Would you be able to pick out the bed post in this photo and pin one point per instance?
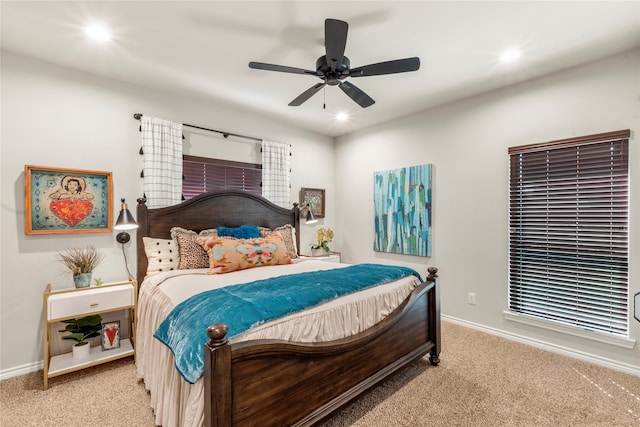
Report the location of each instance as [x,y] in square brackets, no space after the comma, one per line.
[143,230]
[296,223]
[434,321]
[217,377]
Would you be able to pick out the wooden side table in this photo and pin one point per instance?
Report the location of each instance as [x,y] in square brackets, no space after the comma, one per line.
[75,303]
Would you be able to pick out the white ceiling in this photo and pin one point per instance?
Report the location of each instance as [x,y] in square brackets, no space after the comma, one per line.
[203,48]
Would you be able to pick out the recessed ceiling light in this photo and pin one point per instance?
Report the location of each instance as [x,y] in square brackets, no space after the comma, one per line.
[510,55]
[342,117]
[98,32]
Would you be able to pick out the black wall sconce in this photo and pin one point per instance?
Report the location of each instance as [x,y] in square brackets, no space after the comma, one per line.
[309,218]
[125,222]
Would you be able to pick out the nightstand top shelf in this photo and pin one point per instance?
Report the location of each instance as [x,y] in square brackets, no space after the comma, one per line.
[330,257]
[49,291]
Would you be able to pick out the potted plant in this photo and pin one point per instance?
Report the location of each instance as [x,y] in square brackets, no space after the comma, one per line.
[80,330]
[323,237]
[81,263]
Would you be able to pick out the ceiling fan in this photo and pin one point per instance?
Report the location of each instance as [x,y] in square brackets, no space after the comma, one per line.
[334,67]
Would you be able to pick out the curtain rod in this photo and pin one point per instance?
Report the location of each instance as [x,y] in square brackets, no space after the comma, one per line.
[137,116]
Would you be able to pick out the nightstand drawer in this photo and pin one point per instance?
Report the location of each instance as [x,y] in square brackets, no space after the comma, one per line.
[78,304]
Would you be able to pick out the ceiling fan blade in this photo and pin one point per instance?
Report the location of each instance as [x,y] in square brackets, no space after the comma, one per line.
[335,40]
[280,68]
[387,67]
[307,94]
[353,92]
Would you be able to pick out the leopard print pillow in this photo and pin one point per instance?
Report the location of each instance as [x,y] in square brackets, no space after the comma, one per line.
[190,253]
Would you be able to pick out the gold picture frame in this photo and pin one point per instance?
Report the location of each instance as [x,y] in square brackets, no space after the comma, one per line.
[314,197]
[61,200]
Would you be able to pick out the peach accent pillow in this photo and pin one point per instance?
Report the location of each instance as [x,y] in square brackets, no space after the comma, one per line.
[227,254]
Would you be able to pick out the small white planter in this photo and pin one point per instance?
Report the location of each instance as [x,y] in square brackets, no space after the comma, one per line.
[81,351]
[319,252]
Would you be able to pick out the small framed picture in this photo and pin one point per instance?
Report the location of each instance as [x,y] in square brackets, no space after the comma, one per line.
[111,335]
[314,197]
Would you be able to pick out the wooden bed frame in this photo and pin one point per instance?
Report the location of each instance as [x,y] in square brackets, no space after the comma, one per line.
[279,383]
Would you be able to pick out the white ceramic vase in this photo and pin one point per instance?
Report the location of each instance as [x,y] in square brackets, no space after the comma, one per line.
[81,351]
[319,252]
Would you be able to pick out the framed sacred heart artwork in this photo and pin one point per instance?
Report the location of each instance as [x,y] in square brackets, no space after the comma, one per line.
[67,200]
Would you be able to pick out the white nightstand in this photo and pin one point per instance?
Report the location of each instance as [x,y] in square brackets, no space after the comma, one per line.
[330,257]
[75,303]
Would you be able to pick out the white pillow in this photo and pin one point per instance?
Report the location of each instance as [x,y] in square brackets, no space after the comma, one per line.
[161,255]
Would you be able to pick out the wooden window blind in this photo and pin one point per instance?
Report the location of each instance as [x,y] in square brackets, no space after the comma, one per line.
[568,239]
[202,174]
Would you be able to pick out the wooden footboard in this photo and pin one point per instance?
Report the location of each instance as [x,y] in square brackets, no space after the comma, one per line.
[277,383]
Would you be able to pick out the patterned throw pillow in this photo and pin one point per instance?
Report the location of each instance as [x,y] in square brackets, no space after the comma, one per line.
[227,254]
[161,255]
[190,253]
[288,233]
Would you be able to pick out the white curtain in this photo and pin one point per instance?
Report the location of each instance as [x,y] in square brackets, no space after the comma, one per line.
[276,173]
[162,161]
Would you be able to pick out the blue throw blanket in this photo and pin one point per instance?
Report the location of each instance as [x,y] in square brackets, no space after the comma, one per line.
[243,306]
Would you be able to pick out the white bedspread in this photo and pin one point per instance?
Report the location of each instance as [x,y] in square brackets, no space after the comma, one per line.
[178,403]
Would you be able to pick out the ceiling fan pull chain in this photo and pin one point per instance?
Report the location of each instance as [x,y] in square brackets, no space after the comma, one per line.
[324,96]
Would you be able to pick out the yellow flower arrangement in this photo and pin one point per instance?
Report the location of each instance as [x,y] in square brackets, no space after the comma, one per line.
[323,237]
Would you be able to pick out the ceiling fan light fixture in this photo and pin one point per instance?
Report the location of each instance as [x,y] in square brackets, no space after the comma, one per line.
[342,116]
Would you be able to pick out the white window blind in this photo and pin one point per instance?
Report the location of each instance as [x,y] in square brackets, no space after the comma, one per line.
[568,242]
[202,174]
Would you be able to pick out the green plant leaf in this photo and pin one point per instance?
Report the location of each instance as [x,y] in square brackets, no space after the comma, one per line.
[83,328]
[92,320]
[76,337]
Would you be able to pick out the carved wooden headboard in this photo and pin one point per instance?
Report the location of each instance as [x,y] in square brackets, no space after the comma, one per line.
[225,208]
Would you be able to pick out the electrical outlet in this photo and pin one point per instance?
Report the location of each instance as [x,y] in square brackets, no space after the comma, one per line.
[471,298]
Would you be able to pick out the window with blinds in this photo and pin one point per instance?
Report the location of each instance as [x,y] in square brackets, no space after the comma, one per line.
[202,174]
[568,240]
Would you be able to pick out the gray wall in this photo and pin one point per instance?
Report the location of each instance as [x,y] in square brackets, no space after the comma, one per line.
[52,116]
[467,143]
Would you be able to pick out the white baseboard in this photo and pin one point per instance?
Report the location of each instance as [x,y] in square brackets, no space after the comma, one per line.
[21,370]
[585,357]
[596,360]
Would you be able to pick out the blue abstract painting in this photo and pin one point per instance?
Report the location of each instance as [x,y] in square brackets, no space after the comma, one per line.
[402,203]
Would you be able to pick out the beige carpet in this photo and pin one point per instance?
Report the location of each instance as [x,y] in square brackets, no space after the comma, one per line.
[482,380]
